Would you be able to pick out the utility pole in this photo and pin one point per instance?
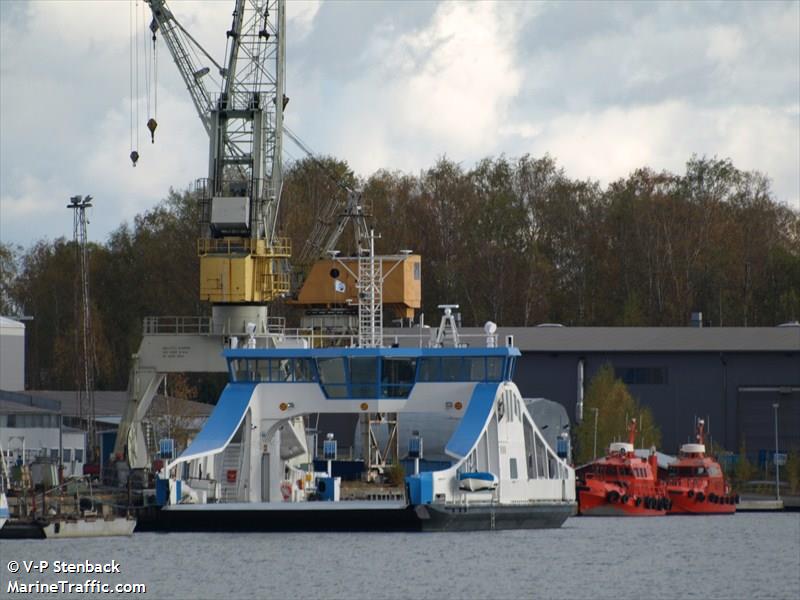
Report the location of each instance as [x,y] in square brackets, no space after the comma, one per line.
[594,452]
[775,460]
[85,351]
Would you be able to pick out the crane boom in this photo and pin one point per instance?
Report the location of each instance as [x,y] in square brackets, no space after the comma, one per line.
[175,37]
[244,122]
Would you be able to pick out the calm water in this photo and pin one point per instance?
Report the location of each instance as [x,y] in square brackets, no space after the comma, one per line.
[740,556]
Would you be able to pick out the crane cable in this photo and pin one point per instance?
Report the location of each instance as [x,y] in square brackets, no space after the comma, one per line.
[134,156]
[149,70]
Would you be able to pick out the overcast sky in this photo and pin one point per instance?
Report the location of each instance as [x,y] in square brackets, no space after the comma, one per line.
[603,88]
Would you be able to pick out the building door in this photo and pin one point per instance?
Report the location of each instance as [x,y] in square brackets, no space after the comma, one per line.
[756,419]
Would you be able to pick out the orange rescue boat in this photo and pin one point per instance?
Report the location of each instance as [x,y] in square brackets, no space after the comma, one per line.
[621,483]
[696,483]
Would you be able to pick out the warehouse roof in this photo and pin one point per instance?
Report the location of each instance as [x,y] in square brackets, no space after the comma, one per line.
[107,404]
[551,338]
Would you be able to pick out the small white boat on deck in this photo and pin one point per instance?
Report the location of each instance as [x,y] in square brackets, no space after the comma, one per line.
[475,482]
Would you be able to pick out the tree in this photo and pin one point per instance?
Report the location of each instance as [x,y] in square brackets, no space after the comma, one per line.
[8,273]
[615,407]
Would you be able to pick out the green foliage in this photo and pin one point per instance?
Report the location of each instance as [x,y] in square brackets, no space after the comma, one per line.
[614,406]
[745,470]
[8,272]
[792,470]
[514,241]
[396,474]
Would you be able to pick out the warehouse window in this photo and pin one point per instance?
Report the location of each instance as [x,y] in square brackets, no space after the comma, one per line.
[642,375]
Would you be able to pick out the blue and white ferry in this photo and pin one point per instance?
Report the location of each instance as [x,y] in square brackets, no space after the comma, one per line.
[251,467]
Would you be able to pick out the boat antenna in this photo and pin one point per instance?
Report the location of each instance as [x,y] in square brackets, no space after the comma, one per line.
[700,435]
[632,431]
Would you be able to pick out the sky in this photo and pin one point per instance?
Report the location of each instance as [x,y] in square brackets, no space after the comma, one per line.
[604,88]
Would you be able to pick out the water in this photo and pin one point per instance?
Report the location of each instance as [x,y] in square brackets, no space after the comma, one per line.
[740,556]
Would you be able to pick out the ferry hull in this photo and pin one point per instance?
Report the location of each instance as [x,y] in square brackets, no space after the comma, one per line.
[361,516]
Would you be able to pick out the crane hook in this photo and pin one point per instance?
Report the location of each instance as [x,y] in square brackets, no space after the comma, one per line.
[134,157]
[151,125]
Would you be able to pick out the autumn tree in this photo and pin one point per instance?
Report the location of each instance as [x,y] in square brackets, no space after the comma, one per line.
[609,402]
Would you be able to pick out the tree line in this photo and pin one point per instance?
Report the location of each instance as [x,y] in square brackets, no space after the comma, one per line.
[515,241]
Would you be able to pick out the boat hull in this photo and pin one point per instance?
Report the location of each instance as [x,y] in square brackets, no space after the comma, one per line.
[22,530]
[597,503]
[684,504]
[351,516]
[81,528]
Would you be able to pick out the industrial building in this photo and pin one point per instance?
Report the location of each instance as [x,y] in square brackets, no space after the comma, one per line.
[731,376]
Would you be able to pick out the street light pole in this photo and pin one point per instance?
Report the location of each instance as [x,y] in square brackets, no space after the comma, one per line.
[777,464]
[594,453]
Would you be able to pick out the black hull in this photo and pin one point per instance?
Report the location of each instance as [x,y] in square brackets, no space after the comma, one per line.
[22,530]
[390,519]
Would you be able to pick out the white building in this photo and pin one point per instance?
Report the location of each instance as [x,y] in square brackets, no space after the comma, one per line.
[12,355]
[28,431]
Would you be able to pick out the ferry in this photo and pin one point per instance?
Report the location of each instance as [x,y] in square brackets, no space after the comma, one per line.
[696,483]
[251,467]
[621,483]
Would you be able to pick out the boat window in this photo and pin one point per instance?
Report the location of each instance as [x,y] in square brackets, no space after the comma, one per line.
[512,365]
[429,368]
[452,369]
[79,455]
[363,376]
[241,370]
[397,376]
[494,368]
[331,370]
[67,455]
[302,370]
[332,377]
[262,370]
[512,463]
[476,368]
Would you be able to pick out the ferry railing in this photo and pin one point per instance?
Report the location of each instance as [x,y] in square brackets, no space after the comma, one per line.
[173,325]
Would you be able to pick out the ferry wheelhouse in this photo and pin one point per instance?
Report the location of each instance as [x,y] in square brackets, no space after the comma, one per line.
[251,467]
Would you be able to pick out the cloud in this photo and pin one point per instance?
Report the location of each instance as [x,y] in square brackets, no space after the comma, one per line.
[449,81]
[611,143]
[603,88]
[301,14]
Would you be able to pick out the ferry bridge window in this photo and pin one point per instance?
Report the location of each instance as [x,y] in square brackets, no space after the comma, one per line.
[476,368]
[452,368]
[363,376]
[241,370]
[512,463]
[429,368]
[397,376]
[302,370]
[494,368]
[262,370]
[332,376]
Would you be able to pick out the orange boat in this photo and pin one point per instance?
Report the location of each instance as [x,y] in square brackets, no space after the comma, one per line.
[696,483]
[621,483]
